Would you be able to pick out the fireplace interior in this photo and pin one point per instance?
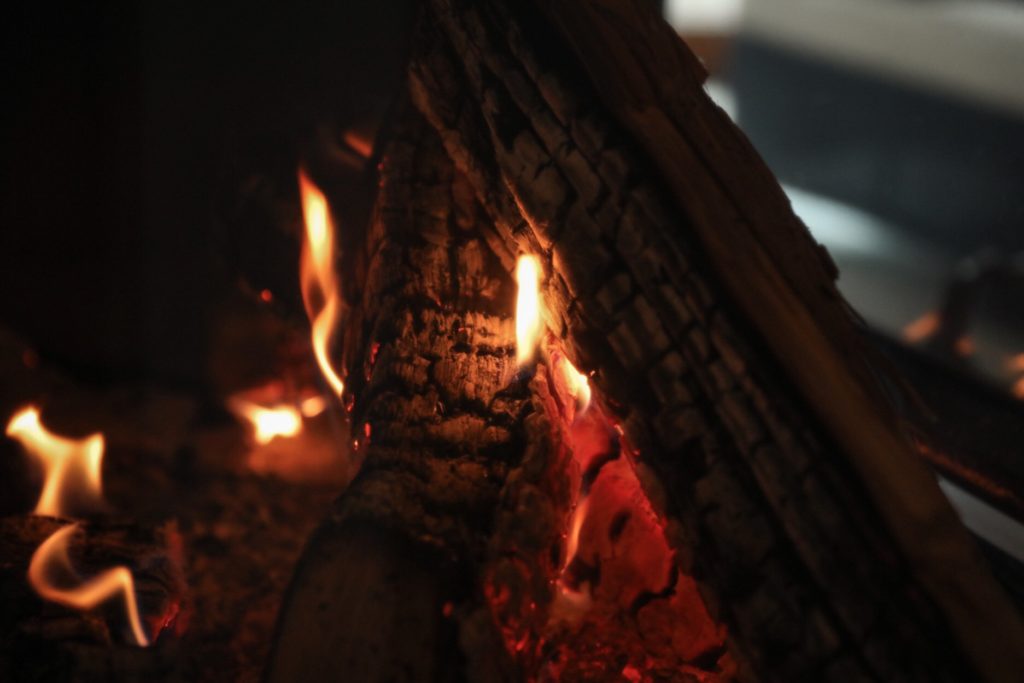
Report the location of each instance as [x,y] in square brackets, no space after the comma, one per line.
[471,340]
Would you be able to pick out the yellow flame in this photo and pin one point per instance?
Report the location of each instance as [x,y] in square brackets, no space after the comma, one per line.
[528,314]
[313,406]
[576,383]
[51,560]
[72,465]
[268,423]
[319,288]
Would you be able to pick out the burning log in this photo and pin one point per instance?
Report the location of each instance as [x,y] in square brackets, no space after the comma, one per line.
[783,528]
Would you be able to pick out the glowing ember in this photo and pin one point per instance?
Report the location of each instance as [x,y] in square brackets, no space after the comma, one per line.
[72,466]
[72,482]
[51,566]
[319,289]
[922,328]
[528,323]
[268,423]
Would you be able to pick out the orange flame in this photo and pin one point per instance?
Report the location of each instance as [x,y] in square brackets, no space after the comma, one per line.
[73,468]
[528,308]
[268,423]
[72,465]
[51,561]
[1018,389]
[319,288]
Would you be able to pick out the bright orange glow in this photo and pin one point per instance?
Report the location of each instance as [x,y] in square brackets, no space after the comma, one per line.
[73,480]
[50,566]
[313,406]
[319,288]
[1018,389]
[528,318]
[268,423]
[72,465]
[922,328]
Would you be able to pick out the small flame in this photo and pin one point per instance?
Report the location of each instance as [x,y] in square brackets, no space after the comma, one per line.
[528,322]
[576,383]
[319,288]
[572,540]
[922,328]
[72,465]
[268,423]
[73,468]
[51,561]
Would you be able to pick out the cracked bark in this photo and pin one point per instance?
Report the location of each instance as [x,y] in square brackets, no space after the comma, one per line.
[678,273]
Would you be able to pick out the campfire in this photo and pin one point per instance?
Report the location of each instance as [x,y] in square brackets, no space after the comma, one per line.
[554,387]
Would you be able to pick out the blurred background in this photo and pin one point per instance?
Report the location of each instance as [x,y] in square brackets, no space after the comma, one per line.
[897,127]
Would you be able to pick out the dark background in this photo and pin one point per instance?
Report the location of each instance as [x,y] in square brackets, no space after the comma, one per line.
[128,132]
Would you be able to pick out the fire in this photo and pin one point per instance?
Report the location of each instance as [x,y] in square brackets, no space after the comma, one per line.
[73,481]
[320,292]
[576,384]
[528,307]
[50,565]
[268,423]
[72,466]
[1018,389]
[572,539]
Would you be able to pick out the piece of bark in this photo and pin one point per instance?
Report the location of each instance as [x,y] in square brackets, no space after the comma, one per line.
[678,272]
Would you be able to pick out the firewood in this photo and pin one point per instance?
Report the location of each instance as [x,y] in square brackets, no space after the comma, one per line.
[676,273]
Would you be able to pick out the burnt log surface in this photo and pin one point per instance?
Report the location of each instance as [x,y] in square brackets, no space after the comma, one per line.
[677,272]
[680,275]
[438,413]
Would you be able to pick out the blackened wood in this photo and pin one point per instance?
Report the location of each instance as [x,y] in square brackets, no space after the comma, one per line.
[438,415]
[680,274]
